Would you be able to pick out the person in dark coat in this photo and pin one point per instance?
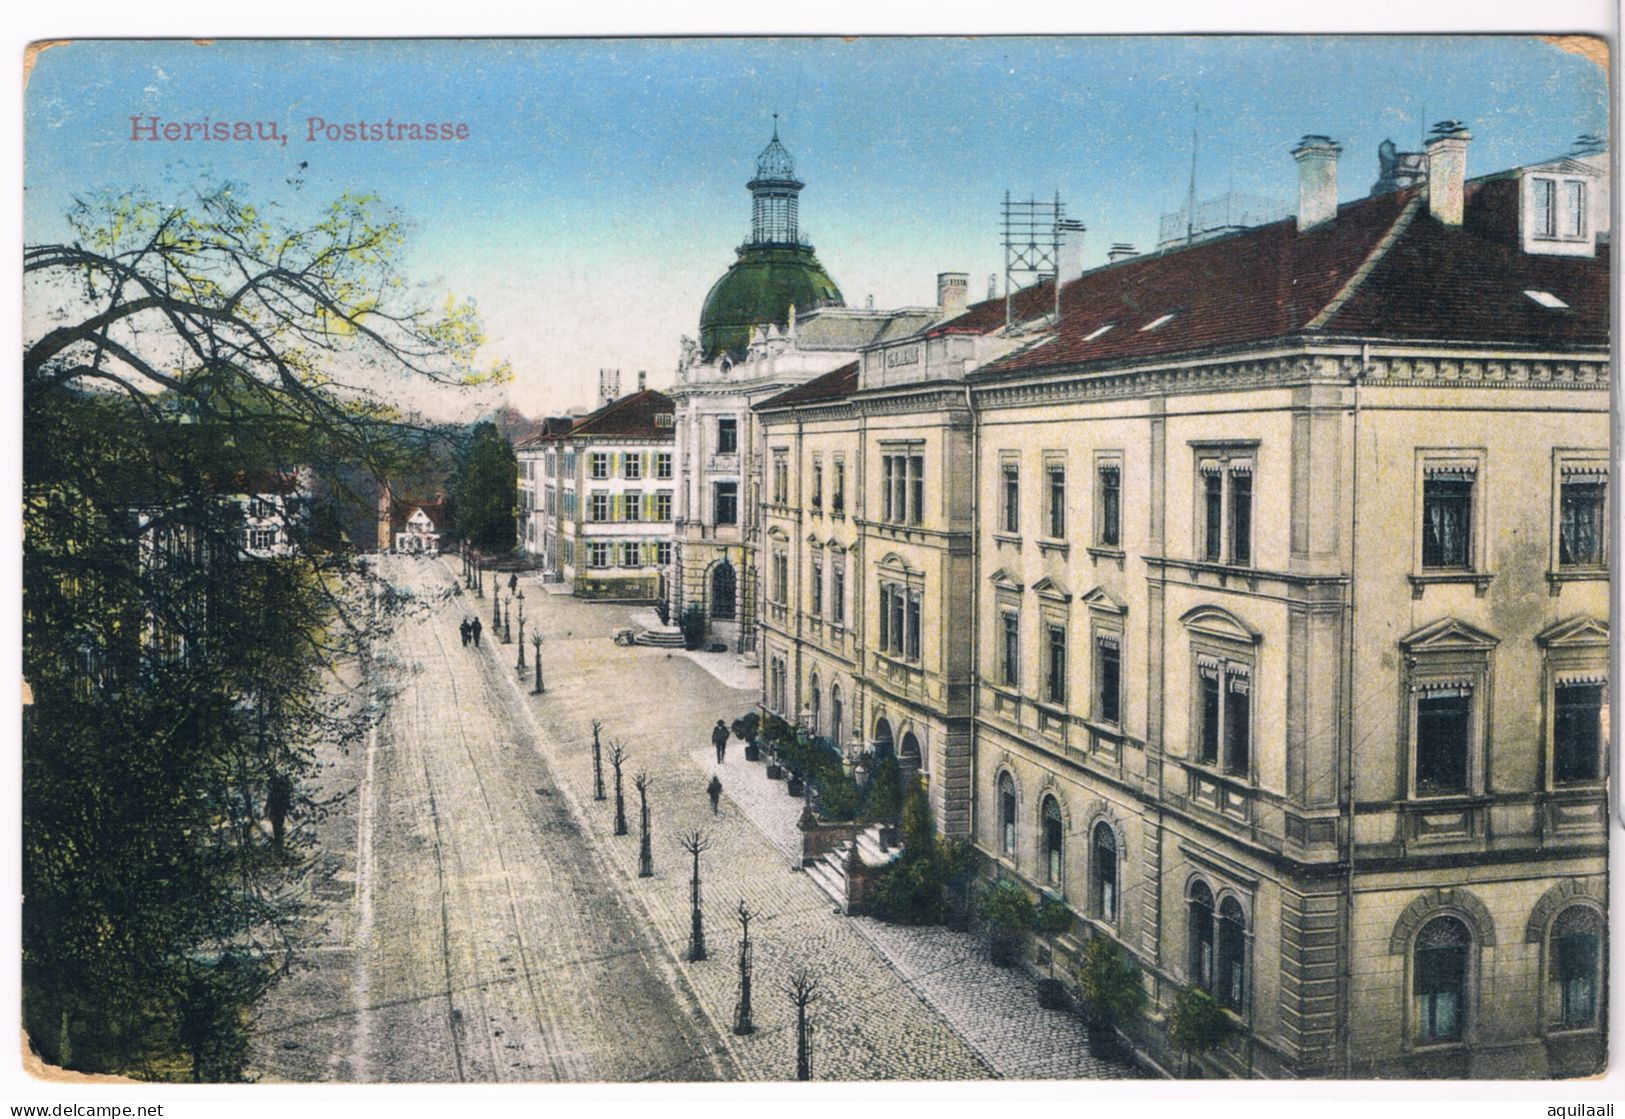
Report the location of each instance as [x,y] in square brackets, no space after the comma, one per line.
[464,630]
[714,791]
[719,739]
[475,630]
[513,582]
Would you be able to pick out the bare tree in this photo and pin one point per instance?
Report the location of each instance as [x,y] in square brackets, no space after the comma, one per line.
[694,842]
[802,991]
[617,755]
[742,1013]
[597,763]
[646,858]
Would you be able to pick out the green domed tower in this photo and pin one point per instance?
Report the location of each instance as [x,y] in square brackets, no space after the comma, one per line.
[776,267]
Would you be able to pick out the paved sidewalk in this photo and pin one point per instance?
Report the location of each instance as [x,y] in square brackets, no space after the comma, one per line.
[994,1009]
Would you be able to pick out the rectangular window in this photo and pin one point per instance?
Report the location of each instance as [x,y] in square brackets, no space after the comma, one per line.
[838,504]
[663,553]
[885,617]
[663,464]
[1055,679]
[1441,979]
[597,554]
[1012,650]
[1577,732]
[725,502]
[1443,718]
[631,554]
[899,624]
[837,590]
[1110,478]
[1208,732]
[817,484]
[632,506]
[598,464]
[663,506]
[1575,225]
[1545,207]
[598,509]
[1057,502]
[781,478]
[1237,721]
[1012,498]
[815,603]
[727,435]
[1108,679]
[632,466]
[1241,514]
[886,466]
[916,489]
[911,646]
[1212,513]
[1582,525]
[1447,519]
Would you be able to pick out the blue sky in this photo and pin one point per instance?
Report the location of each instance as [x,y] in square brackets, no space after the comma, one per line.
[601,191]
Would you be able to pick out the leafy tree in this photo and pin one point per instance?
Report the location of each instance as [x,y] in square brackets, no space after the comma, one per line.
[1110,981]
[1050,920]
[1196,1023]
[885,790]
[485,498]
[178,356]
[693,625]
[1008,912]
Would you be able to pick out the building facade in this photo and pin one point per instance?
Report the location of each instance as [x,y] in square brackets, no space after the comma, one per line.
[602,497]
[1278,580]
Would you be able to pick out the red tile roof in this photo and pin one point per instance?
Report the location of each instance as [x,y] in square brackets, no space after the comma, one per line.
[834,385]
[1383,268]
[630,416]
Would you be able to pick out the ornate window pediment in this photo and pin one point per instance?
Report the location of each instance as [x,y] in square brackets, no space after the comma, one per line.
[1448,635]
[777,533]
[1575,633]
[1103,600]
[1052,590]
[1215,621]
[891,561]
[1004,581]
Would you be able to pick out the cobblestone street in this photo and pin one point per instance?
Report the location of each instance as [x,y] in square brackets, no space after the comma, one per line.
[485,923]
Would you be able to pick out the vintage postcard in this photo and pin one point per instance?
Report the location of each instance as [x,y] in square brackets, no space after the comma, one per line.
[814,559]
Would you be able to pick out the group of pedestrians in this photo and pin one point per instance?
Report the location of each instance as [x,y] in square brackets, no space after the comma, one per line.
[470,629]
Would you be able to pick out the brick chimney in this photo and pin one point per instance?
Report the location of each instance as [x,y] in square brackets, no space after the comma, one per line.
[953,293]
[643,379]
[1121,250]
[1317,180]
[1071,257]
[1447,170]
[609,386]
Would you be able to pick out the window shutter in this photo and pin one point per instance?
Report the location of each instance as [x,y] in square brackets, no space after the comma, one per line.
[615,507]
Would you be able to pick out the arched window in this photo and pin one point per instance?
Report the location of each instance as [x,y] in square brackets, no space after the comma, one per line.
[835,714]
[1575,969]
[1232,937]
[1201,935]
[815,704]
[1053,840]
[1007,814]
[1440,980]
[1104,878]
[723,587]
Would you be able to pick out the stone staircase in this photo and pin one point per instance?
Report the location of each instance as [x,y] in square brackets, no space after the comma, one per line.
[830,871]
[662,637]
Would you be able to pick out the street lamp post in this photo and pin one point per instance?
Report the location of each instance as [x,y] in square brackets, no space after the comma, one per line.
[519,666]
[496,608]
[507,620]
[536,643]
[804,740]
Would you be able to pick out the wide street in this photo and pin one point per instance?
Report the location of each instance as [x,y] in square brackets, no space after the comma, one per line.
[480,921]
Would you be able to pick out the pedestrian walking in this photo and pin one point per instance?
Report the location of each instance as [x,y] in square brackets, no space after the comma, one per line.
[474,628]
[513,582]
[463,629]
[719,739]
[714,791]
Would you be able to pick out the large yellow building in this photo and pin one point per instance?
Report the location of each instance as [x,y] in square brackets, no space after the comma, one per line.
[1257,607]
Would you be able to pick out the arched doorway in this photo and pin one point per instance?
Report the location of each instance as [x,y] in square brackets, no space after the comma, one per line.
[724,587]
[883,742]
[908,757]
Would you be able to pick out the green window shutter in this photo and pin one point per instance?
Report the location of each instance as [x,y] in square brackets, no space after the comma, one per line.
[649,507]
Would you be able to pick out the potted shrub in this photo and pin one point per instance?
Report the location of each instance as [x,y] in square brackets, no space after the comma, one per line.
[746,728]
[1196,1024]
[1113,992]
[1050,920]
[1008,912]
[693,626]
[774,734]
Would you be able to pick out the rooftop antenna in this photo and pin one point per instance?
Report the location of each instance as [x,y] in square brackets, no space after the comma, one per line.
[1032,244]
[1190,196]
